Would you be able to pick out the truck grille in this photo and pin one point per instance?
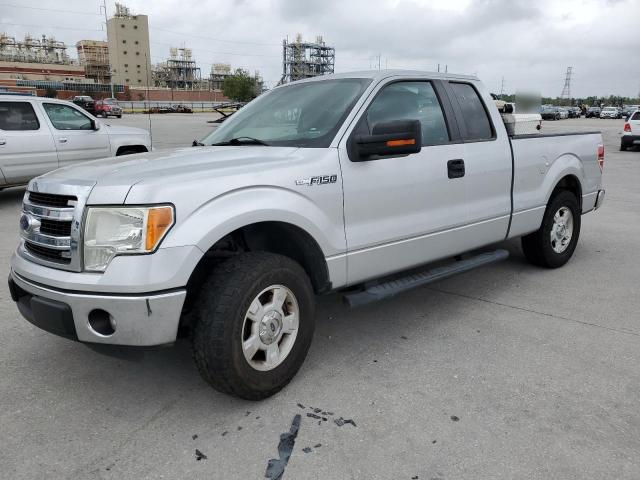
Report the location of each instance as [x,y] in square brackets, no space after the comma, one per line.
[49,200]
[51,223]
[47,253]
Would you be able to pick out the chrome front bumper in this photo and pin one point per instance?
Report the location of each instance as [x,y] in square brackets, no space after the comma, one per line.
[136,319]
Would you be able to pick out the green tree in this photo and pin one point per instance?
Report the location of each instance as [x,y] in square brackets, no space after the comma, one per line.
[50,92]
[240,86]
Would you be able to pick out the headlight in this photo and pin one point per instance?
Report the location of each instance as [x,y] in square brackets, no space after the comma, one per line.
[111,231]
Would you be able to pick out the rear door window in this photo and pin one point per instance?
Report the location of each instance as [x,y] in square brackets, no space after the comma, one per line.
[474,114]
[18,116]
[635,116]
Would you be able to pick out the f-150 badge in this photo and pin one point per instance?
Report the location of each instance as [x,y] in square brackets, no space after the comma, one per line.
[321,180]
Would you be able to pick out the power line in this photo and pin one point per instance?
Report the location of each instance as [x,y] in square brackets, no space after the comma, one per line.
[11,5]
[50,27]
[214,39]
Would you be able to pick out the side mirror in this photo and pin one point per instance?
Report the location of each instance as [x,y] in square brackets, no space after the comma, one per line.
[400,137]
[95,125]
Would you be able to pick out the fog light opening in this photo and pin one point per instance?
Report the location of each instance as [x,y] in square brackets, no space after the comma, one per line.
[102,323]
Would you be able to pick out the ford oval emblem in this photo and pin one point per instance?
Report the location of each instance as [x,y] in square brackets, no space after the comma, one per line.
[24,223]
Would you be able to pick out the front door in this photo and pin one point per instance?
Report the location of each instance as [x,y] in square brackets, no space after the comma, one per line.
[404,211]
[74,135]
[26,143]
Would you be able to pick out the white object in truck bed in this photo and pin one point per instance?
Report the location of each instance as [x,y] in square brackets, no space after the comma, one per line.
[522,123]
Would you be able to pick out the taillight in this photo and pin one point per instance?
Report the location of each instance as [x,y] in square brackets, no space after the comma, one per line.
[601,156]
[627,127]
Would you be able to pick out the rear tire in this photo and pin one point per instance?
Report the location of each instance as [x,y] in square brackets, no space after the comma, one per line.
[623,148]
[237,309]
[552,245]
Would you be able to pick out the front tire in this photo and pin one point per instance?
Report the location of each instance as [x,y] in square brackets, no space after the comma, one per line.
[253,324]
[553,244]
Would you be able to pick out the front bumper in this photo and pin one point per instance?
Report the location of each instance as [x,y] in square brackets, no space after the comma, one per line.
[630,140]
[136,319]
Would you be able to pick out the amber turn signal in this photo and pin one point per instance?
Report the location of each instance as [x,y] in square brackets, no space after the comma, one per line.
[398,143]
[159,222]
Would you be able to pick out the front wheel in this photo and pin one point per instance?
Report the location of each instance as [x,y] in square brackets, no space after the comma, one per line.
[553,244]
[253,324]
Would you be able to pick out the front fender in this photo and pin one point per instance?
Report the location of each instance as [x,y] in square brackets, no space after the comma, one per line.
[123,140]
[245,206]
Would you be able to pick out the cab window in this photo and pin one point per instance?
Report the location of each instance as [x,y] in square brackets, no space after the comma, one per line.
[64,117]
[474,115]
[18,116]
[410,100]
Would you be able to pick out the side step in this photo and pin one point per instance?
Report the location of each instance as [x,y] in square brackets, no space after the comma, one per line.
[390,288]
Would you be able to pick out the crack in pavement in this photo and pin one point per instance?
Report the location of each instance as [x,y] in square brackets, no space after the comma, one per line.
[515,307]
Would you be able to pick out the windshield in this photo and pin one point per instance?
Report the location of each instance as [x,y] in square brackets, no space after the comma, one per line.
[306,114]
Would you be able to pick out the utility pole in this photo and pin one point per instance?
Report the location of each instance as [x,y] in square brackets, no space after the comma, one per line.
[103,7]
[438,68]
[566,90]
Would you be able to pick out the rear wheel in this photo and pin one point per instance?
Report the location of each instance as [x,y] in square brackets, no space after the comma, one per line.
[553,244]
[253,324]
[623,147]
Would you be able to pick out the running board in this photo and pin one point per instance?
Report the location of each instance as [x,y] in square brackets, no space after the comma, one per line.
[390,288]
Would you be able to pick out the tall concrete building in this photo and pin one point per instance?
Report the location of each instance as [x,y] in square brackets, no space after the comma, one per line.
[129,52]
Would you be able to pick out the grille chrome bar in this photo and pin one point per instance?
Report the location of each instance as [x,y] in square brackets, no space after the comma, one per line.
[50,241]
[63,214]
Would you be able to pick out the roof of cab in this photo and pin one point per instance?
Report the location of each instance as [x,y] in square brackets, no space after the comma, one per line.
[383,74]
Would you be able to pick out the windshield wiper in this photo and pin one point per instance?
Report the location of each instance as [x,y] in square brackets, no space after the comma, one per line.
[242,141]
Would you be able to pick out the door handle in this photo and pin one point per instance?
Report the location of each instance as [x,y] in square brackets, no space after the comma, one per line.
[62,140]
[2,141]
[455,168]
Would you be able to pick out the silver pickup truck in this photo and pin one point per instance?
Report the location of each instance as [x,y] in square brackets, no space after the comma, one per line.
[347,180]
[39,134]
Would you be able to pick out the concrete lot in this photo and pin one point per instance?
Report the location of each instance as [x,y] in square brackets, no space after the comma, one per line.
[539,367]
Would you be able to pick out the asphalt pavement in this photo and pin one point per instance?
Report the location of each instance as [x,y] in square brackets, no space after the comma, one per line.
[507,372]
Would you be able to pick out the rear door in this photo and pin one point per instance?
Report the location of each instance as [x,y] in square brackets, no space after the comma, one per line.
[487,160]
[403,211]
[26,143]
[74,136]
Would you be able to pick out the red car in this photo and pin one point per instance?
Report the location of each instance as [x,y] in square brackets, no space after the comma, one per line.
[108,107]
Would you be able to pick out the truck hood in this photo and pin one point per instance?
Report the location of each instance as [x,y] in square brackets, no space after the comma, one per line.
[114,177]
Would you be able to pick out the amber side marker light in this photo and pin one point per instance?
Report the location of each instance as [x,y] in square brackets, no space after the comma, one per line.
[159,222]
[399,143]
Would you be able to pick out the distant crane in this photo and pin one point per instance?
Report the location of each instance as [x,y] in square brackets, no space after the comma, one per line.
[566,91]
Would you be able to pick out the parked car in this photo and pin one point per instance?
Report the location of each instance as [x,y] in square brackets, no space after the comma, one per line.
[550,112]
[574,112]
[86,103]
[627,110]
[564,113]
[40,134]
[610,112]
[108,107]
[631,132]
[316,186]
[593,112]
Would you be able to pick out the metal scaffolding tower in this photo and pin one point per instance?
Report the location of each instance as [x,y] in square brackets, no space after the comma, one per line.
[306,59]
[566,91]
[179,71]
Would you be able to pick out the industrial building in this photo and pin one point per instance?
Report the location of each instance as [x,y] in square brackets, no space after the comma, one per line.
[34,58]
[179,71]
[129,51]
[302,59]
[93,56]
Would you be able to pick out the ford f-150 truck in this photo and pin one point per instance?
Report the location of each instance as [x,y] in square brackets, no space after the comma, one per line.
[341,182]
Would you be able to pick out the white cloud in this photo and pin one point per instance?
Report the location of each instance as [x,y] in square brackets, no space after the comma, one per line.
[530,43]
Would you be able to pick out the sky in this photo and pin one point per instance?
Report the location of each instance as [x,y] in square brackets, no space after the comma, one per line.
[528,43]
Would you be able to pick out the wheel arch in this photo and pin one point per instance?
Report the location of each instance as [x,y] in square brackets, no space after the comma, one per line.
[131,148]
[278,237]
